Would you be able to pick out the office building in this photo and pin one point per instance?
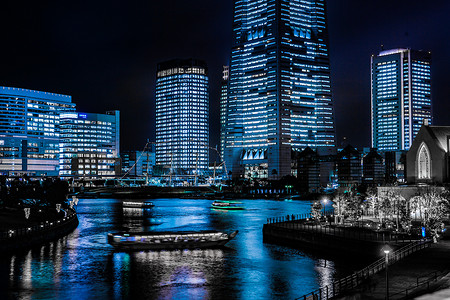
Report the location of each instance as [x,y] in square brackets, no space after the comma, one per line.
[223,108]
[138,163]
[182,117]
[29,131]
[401,97]
[90,145]
[279,95]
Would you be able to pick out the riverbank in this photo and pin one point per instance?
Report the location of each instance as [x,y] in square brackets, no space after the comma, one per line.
[200,192]
[18,233]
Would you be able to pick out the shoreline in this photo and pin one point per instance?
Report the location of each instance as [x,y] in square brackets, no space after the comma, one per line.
[23,238]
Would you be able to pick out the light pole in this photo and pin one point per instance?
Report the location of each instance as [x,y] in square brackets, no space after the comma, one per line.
[324,204]
[386,249]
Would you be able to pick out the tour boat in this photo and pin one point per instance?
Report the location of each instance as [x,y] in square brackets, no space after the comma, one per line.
[228,205]
[132,204]
[169,240]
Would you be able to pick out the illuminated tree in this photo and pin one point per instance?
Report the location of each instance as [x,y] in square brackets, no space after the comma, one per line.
[431,207]
[316,208]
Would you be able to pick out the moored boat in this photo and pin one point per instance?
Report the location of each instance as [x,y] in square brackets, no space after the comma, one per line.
[133,204]
[169,240]
[228,205]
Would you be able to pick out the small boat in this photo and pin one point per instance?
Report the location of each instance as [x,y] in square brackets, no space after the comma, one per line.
[169,240]
[228,205]
[132,204]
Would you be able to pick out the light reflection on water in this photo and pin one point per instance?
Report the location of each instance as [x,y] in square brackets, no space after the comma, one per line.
[83,265]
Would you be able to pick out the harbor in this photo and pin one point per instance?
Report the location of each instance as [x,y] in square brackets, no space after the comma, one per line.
[83,262]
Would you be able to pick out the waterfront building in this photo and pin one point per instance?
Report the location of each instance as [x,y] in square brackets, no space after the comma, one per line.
[223,108]
[279,91]
[29,131]
[394,162]
[316,170]
[428,159]
[90,145]
[138,163]
[349,166]
[373,168]
[182,117]
[401,97]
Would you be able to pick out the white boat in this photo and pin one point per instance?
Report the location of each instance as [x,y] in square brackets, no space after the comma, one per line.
[169,240]
[134,204]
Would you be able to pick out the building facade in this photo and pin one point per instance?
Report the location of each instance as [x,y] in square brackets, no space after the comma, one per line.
[401,97]
[182,117]
[90,145]
[30,131]
[373,169]
[428,159]
[279,95]
[138,163]
[223,108]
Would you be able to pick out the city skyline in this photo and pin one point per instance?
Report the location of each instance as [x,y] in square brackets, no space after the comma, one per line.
[105,56]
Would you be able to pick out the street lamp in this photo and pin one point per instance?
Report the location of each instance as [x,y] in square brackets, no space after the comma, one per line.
[386,249]
[325,200]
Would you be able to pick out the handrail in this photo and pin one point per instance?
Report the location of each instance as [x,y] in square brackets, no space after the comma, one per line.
[69,215]
[404,293]
[353,280]
[305,222]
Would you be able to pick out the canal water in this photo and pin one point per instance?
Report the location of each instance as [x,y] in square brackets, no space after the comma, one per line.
[83,266]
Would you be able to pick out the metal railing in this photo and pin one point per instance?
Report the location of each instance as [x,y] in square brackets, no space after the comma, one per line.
[355,279]
[358,232]
[69,216]
[420,283]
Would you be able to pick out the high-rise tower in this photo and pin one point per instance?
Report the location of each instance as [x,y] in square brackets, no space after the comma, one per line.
[401,97]
[223,107]
[182,116]
[279,96]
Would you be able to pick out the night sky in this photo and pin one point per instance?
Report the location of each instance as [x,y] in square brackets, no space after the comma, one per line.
[104,53]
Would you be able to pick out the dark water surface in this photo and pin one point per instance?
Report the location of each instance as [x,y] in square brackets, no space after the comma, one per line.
[83,266]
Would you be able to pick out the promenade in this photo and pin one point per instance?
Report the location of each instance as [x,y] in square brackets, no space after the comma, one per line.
[425,273]
[16,233]
[414,270]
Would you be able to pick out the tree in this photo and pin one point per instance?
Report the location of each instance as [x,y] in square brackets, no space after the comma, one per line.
[316,208]
[431,206]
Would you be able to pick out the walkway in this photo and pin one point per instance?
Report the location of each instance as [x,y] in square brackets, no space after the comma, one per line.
[404,275]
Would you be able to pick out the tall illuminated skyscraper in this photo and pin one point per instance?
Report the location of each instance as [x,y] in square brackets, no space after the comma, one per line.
[223,107]
[401,97]
[279,96]
[182,113]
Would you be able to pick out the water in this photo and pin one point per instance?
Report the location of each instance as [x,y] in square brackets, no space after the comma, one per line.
[83,266]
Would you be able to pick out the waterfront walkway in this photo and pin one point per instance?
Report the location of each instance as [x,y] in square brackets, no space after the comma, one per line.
[429,267]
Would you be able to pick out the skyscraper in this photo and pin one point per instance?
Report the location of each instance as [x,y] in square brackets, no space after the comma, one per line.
[30,131]
[279,96]
[401,97]
[182,116]
[223,107]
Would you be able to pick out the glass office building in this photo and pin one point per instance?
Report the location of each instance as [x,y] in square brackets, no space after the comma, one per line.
[279,95]
[30,132]
[223,108]
[182,112]
[90,145]
[401,97]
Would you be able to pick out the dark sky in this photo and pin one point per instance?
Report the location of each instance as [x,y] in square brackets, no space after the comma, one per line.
[104,53]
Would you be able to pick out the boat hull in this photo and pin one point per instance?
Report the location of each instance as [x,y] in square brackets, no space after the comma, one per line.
[180,244]
[227,207]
